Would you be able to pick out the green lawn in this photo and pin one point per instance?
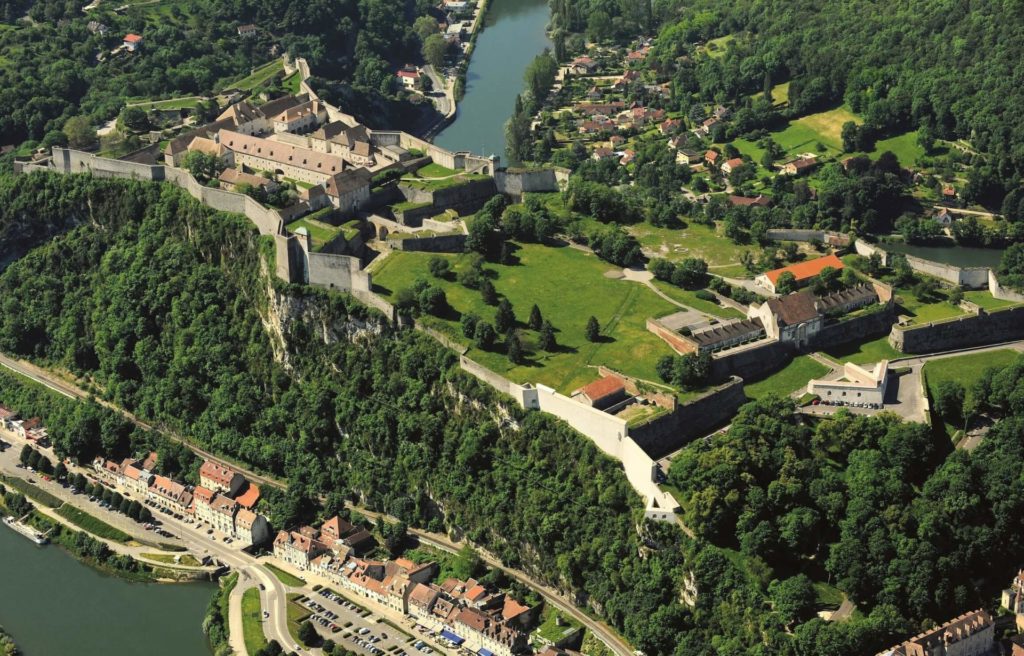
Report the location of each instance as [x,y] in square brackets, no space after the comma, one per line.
[549,627]
[443,183]
[258,77]
[792,377]
[803,134]
[904,146]
[252,621]
[296,615]
[170,103]
[827,597]
[285,577]
[687,297]
[320,232]
[716,48]
[568,286]
[31,491]
[965,369]
[291,83]
[93,525]
[935,308]
[864,352]
[434,170]
[987,301]
[696,240]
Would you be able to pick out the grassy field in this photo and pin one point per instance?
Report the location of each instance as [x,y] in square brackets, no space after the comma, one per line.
[568,286]
[185,560]
[170,103]
[296,615]
[258,77]
[792,377]
[987,301]
[965,369]
[252,621]
[904,146]
[696,240]
[93,525]
[864,352]
[434,170]
[291,83]
[550,629]
[320,232]
[920,311]
[716,48]
[285,577]
[827,597]
[687,297]
[805,133]
[31,491]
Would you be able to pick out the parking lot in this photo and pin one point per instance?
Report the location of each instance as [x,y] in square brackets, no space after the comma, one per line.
[358,629]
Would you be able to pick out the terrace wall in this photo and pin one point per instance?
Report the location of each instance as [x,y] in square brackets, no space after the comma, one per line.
[515,183]
[875,324]
[690,420]
[984,328]
[750,362]
[678,343]
[453,243]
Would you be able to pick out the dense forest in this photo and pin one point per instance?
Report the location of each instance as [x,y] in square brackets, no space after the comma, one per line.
[946,68]
[50,71]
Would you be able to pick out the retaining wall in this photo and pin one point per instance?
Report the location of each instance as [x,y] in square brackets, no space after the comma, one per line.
[973,277]
[857,329]
[752,361]
[998,291]
[453,243]
[670,337]
[690,420]
[984,328]
[516,183]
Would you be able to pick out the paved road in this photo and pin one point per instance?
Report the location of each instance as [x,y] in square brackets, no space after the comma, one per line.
[445,105]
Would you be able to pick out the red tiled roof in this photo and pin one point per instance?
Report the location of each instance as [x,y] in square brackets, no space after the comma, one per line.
[804,270]
[744,201]
[249,498]
[603,388]
[217,473]
[202,495]
[132,38]
[735,163]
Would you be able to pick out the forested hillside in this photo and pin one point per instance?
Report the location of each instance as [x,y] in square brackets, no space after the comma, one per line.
[50,68]
[946,66]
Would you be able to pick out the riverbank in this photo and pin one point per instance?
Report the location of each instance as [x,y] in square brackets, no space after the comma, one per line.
[7,645]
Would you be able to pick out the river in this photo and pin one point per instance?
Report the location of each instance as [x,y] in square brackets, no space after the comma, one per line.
[52,604]
[961,256]
[514,33]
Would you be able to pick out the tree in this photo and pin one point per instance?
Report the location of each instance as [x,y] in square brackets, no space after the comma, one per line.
[25,456]
[308,635]
[203,166]
[435,49]
[505,318]
[424,27]
[949,401]
[547,337]
[540,76]
[484,335]
[60,472]
[468,324]
[786,283]
[792,598]
[593,330]
[535,318]
[395,536]
[513,347]
[691,273]
[487,292]
[850,135]
[80,132]
[133,118]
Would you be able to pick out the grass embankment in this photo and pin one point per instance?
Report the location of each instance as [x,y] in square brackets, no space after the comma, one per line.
[926,310]
[965,370]
[297,614]
[789,379]
[555,626]
[258,77]
[568,286]
[803,135]
[320,233]
[285,577]
[185,560]
[93,525]
[31,491]
[252,621]
[689,298]
[695,240]
[864,352]
[987,301]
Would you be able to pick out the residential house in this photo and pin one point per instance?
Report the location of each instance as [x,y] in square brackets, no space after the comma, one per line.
[638,55]
[800,165]
[602,393]
[7,417]
[248,31]
[803,272]
[297,549]
[409,76]
[601,153]
[721,112]
[169,494]
[711,158]
[134,478]
[949,194]
[670,126]
[336,532]
[349,190]
[970,634]
[731,165]
[594,93]
[250,527]
[616,140]
[249,496]
[132,42]
[944,217]
[583,65]
[706,128]
[220,478]
[107,471]
[628,78]
[97,27]
[300,118]
[628,156]
[482,632]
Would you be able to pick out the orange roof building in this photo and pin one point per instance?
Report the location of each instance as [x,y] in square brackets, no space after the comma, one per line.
[603,392]
[803,272]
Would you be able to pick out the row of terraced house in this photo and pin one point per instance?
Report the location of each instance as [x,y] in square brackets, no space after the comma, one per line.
[224,498]
[464,613]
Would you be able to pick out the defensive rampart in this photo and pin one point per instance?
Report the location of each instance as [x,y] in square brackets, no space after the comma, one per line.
[976,330]
[690,420]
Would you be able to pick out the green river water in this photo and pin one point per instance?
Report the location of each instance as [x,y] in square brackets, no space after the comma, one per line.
[53,605]
[514,33]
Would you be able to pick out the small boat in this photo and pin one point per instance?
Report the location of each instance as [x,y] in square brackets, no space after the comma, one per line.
[26,530]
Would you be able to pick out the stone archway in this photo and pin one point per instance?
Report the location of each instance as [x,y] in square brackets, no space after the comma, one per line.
[382,233]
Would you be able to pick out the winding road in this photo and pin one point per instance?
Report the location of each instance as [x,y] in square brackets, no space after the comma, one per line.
[275,595]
